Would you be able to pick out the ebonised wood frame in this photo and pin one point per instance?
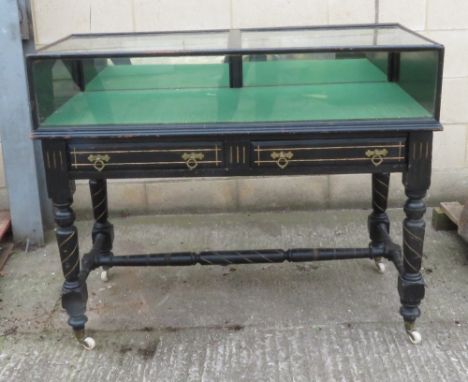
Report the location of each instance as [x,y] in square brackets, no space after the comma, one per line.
[376,147]
[376,153]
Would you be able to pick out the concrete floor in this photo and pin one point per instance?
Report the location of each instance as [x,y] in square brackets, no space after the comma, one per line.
[328,321]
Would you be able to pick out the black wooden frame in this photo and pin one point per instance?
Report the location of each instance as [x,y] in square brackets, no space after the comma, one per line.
[377,147]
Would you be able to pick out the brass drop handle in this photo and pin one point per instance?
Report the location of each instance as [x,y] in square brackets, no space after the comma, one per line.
[377,156]
[99,161]
[191,159]
[282,158]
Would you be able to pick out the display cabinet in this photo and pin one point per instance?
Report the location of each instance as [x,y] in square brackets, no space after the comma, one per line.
[249,102]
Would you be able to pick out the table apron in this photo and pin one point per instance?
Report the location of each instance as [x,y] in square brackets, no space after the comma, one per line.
[221,157]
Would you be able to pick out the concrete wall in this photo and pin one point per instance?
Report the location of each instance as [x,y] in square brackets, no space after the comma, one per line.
[442,20]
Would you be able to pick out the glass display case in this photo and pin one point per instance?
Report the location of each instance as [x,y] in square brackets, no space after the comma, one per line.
[250,102]
[236,77]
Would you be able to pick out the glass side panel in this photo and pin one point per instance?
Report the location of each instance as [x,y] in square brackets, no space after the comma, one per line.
[418,76]
[54,85]
[273,39]
[197,90]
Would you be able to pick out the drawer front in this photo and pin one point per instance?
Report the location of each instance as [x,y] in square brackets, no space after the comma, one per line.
[365,153]
[125,156]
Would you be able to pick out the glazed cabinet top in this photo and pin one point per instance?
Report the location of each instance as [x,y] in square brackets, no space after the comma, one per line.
[250,81]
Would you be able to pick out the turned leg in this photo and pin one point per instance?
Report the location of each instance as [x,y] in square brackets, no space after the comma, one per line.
[416,181]
[74,291]
[379,216]
[98,189]
[410,282]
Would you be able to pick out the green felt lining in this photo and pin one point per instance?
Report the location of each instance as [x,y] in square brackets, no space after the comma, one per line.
[250,104]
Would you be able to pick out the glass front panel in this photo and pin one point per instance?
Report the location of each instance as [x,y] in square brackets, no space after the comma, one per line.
[234,89]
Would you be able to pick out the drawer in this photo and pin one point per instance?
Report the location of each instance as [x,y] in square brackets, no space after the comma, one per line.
[104,157]
[325,152]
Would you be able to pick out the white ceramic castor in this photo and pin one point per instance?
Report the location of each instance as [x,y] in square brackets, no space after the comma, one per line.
[88,343]
[105,275]
[380,265]
[414,336]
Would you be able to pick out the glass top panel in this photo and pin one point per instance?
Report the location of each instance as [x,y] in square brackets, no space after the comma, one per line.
[157,42]
[247,40]
[324,38]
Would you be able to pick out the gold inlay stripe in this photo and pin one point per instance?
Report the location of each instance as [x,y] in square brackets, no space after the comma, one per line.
[327,147]
[419,255]
[411,234]
[71,253]
[100,203]
[145,151]
[72,269]
[102,214]
[327,160]
[382,183]
[98,192]
[380,194]
[67,239]
[146,163]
